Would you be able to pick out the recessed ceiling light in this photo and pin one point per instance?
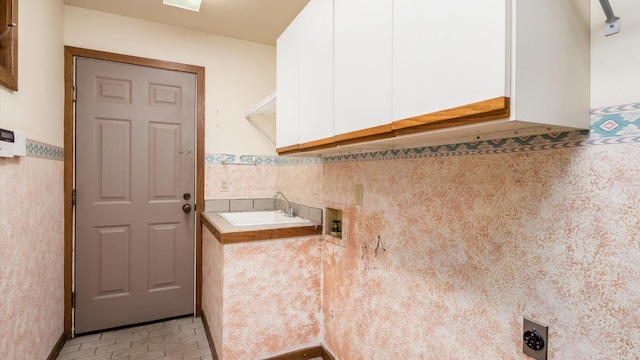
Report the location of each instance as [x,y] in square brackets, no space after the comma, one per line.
[193,5]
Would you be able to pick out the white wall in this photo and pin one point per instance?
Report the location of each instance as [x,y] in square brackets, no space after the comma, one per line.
[36,108]
[615,59]
[31,203]
[238,73]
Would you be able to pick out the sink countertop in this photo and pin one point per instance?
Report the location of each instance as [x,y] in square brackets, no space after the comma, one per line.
[226,233]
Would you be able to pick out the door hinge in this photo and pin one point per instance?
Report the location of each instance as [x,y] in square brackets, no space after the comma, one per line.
[73,299]
[73,197]
[75,94]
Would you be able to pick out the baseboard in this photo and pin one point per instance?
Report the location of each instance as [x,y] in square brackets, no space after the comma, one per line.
[212,345]
[326,355]
[57,347]
[308,353]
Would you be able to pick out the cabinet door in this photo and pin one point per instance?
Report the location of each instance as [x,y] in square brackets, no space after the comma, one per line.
[316,72]
[448,54]
[287,78]
[363,33]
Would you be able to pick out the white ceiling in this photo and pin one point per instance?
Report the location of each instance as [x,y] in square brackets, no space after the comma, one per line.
[260,21]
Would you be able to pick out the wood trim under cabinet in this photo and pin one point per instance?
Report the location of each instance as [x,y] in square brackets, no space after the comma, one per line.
[487,110]
[380,132]
[461,115]
[318,144]
[366,138]
[472,119]
[285,150]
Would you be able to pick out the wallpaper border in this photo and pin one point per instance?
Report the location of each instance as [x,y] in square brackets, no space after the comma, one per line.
[44,151]
[258,160]
[619,124]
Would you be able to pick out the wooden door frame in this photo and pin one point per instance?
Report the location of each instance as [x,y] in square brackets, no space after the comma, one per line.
[69,72]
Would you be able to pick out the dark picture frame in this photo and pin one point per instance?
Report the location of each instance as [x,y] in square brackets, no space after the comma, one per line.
[9,44]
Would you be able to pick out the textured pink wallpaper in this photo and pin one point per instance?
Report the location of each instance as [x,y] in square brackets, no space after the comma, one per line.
[31,257]
[469,245]
[473,243]
[262,298]
[212,283]
[302,183]
[249,181]
[244,181]
[271,297]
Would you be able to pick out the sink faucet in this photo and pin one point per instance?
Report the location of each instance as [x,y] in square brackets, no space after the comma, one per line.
[288,212]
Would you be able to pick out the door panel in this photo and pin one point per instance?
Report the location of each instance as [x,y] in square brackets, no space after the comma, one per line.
[135,158]
[162,247]
[115,159]
[114,257]
[163,95]
[110,90]
[164,180]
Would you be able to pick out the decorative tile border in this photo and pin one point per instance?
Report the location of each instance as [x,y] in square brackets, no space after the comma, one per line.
[44,151]
[616,109]
[258,160]
[609,125]
[441,151]
[611,121]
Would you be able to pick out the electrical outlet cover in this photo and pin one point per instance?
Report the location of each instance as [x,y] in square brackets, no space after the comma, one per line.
[529,326]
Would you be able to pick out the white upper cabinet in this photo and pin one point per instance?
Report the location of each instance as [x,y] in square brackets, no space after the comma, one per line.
[305,79]
[447,54]
[408,73]
[550,62]
[363,65]
[287,79]
[451,54]
[316,73]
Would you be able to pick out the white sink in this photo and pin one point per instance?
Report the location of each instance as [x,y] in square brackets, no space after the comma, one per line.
[261,218]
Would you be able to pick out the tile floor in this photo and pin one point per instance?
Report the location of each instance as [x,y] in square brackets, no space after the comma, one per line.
[178,339]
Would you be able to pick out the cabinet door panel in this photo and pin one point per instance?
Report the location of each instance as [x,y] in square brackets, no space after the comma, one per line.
[316,71]
[552,50]
[363,34]
[448,54]
[287,78]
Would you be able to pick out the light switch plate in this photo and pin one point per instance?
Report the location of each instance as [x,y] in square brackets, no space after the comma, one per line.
[541,330]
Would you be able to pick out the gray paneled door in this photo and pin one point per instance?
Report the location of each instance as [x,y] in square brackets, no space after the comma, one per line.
[135,171]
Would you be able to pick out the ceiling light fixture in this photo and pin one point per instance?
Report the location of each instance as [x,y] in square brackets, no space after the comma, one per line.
[193,5]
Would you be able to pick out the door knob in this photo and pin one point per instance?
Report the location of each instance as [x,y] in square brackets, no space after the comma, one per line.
[186,208]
